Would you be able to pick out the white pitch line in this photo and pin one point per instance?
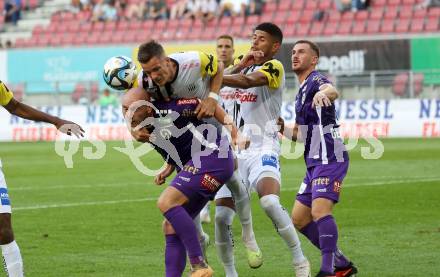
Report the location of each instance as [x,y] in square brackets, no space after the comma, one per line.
[67,205]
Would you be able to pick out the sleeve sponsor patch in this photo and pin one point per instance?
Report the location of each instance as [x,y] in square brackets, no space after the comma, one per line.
[268,160]
[274,72]
[208,64]
[4,197]
[210,183]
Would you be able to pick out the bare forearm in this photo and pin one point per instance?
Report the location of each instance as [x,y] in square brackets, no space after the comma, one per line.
[236,81]
[27,112]
[233,70]
[216,81]
[330,91]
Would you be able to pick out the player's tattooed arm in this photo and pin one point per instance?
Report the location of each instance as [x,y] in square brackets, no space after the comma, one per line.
[255,79]
[164,174]
[207,106]
[326,95]
[24,111]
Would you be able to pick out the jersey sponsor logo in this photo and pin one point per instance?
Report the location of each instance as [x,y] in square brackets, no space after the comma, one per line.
[209,67]
[186,179]
[4,197]
[268,160]
[187,101]
[191,169]
[190,65]
[321,190]
[321,181]
[337,186]
[269,68]
[210,183]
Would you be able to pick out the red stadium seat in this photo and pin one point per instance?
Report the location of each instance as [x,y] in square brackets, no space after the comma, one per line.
[359,28]
[73,27]
[335,17]
[55,40]
[284,5]
[78,92]
[147,25]
[122,25]
[43,40]
[209,33]
[307,16]
[98,26]
[118,37]
[373,26]
[330,28]
[38,29]
[93,38]
[361,15]
[268,17]
[391,13]
[270,7]
[394,2]
[110,26]
[20,43]
[32,4]
[80,38]
[434,12]
[406,12]
[402,26]
[85,27]
[83,16]
[379,3]
[348,16]
[253,20]
[62,28]
[238,21]
[298,5]
[418,83]
[420,13]
[68,39]
[326,5]
[400,84]
[311,5]
[225,21]
[293,17]
[130,36]
[344,28]
[173,24]
[160,25]
[409,2]
[198,23]
[289,30]
[186,23]
[280,18]
[432,24]
[105,38]
[195,34]
[376,13]
[32,42]
[316,29]
[302,29]
[417,25]
[387,26]
[135,25]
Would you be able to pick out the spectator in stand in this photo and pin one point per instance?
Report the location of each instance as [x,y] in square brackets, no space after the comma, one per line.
[105,11]
[135,11]
[75,6]
[357,5]
[206,10]
[156,9]
[428,3]
[343,5]
[191,9]
[233,7]
[256,7]
[178,9]
[108,99]
[12,11]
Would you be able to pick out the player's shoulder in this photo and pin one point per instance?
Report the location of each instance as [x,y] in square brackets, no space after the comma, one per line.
[182,57]
[318,78]
[273,67]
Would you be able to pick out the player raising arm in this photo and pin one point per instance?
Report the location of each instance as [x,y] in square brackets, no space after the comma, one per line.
[10,250]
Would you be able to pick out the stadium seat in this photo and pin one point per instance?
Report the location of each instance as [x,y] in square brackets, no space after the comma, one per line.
[293,17]
[417,25]
[80,38]
[378,3]
[316,29]
[334,17]
[330,28]
[270,7]
[83,16]
[225,21]
[298,5]
[400,84]
[20,43]
[32,4]
[387,26]
[78,92]
[402,26]
[289,30]
[55,40]
[173,24]
[67,39]
[253,20]
[373,26]
[98,26]
[406,12]
[268,17]
[147,25]
[361,15]
[122,25]
[62,28]
[160,25]
[434,12]
[344,28]
[302,29]
[85,27]
[420,13]
[94,91]
[38,29]
[194,34]
[409,2]
[284,5]
[43,40]
[72,27]
[209,33]
[432,24]
[306,17]
[93,38]
[118,37]
[134,25]
[348,16]
[376,13]
[311,5]
[105,37]
[186,23]
[280,18]
[394,2]
[391,13]
[359,28]
[325,5]
[110,26]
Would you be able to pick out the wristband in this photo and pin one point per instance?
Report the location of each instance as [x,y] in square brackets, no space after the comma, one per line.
[214,96]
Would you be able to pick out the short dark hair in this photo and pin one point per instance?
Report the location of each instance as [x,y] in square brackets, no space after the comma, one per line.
[272,30]
[312,45]
[226,37]
[148,50]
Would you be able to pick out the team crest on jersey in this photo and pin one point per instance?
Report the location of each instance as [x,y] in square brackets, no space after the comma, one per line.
[4,197]
[337,186]
[191,101]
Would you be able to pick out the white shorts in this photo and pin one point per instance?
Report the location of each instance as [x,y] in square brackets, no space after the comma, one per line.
[5,204]
[257,164]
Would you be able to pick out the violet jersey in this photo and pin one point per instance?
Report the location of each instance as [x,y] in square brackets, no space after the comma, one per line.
[192,80]
[179,134]
[318,125]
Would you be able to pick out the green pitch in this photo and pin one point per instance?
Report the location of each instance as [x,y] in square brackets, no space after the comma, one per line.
[99,218]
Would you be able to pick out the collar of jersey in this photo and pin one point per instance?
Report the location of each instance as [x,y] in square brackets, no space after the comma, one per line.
[305,80]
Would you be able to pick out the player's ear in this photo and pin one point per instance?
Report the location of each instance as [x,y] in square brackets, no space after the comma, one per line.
[276,46]
[315,60]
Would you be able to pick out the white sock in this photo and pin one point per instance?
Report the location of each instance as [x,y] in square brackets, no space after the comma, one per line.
[12,259]
[243,207]
[271,205]
[199,227]
[223,239]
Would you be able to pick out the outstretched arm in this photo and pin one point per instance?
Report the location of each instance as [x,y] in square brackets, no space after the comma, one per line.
[255,79]
[24,111]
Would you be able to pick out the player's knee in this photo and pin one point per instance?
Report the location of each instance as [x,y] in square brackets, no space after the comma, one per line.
[163,204]
[224,215]
[319,212]
[6,233]
[299,222]
[269,203]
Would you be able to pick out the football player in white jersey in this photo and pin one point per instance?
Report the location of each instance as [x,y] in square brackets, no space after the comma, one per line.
[260,80]
[11,252]
[226,205]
